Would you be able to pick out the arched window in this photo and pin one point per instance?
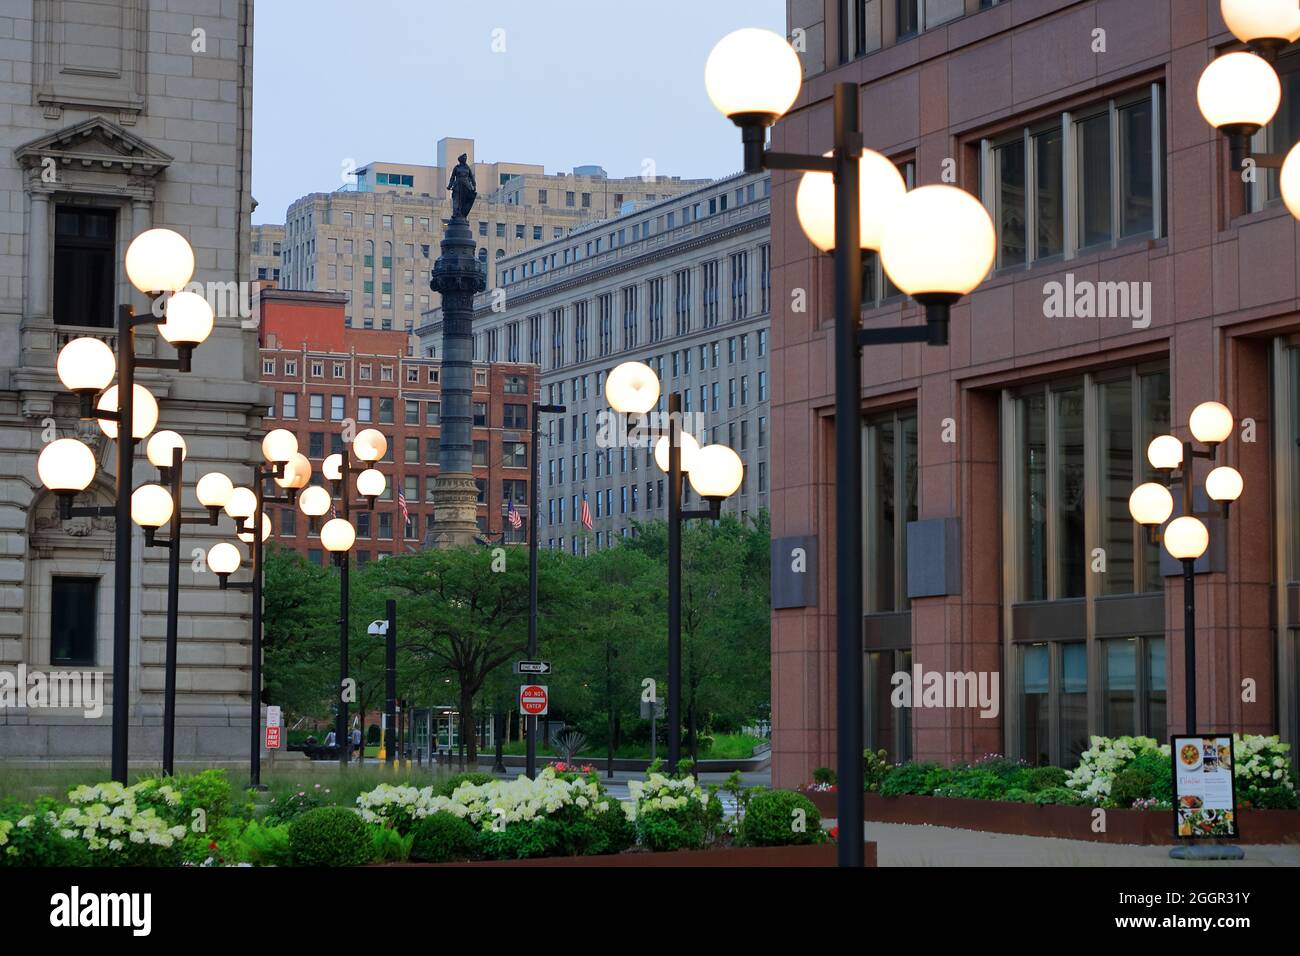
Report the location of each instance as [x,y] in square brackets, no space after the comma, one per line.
[500,253]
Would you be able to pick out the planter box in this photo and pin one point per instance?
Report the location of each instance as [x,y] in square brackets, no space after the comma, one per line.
[1143,827]
[757,856]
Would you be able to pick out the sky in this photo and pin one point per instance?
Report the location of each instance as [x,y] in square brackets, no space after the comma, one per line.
[561,83]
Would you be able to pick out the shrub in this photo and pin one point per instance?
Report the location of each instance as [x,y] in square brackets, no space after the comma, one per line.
[32,836]
[914,778]
[450,785]
[1272,798]
[1044,778]
[973,784]
[1103,760]
[287,807]
[444,837]
[825,775]
[780,818]
[1057,795]
[263,844]
[1134,783]
[1016,795]
[526,839]
[389,846]
[329,836]
[674,813]
[875,769]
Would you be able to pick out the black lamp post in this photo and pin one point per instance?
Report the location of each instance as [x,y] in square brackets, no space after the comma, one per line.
[169,447]
[338,537]
[530,759]
[292,471]
[716,471]
[937,243]
[158,261]
[1186,537]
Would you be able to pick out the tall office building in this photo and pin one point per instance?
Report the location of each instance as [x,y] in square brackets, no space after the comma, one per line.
[998,541]
[681,284]
[104,136]
[376,238]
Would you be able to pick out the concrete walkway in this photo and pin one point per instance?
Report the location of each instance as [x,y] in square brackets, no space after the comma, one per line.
[914,845]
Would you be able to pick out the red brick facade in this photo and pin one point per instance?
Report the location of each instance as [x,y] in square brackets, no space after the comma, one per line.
[326,375]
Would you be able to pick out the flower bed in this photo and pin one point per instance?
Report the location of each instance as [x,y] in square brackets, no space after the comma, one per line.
[563,814]
[1125,776]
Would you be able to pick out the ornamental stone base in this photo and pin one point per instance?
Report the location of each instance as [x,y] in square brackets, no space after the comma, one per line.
[455,509]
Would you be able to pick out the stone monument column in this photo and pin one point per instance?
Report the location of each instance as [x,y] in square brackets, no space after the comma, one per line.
[457,277]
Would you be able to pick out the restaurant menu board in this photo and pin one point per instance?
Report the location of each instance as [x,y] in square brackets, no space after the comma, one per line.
[1205,801]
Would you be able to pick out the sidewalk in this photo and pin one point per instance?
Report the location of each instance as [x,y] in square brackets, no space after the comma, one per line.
[911,845]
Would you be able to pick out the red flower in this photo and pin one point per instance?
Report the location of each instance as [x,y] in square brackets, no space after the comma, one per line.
[835,833]
[212,846]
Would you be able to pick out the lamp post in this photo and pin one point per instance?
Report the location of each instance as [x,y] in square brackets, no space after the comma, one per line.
[936,244]
[159,262]
[715,471]
[530,759]
[166,451]
[338,536]
[1186,537]
[247,506]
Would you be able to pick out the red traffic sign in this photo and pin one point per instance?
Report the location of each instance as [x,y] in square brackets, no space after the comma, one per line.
[272,738]
[533,700]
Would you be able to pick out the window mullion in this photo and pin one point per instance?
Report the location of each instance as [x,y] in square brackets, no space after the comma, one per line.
[1031,200]
[1053,500]
[1070,179]
[1116,177]
[1157,161]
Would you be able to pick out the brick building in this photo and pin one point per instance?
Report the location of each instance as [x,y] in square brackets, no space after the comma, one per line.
[325,374]
[1007,457]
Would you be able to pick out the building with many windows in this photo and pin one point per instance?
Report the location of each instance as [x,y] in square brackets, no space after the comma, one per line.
[376,239]
[266,244]
[1136,278]
[681,284]
[327,377]
[104,137]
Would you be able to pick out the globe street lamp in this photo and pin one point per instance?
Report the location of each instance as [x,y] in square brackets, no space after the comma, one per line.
[633,389]
[1186,537]
[1239,92]
[166,451]
[936,243]
[291,472]
[337,536]
[159,262]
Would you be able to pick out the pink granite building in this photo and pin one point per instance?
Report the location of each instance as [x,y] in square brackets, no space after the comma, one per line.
[1137,276]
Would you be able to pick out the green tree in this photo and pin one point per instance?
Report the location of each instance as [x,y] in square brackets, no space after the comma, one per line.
[299,634]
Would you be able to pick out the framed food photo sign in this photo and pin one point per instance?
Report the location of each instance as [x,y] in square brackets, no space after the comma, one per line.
[1205,797]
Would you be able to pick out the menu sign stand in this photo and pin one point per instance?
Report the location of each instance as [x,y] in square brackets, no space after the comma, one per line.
[1205,796]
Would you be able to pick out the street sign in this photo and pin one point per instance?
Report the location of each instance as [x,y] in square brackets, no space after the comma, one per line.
[532,667]
[533,700]
[272,715]
[650,709]
[272,738]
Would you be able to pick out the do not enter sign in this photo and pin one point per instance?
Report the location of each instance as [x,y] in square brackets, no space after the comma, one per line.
[533,700]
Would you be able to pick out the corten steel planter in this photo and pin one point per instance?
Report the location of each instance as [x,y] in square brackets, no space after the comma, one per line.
[751,856]
[1143,827]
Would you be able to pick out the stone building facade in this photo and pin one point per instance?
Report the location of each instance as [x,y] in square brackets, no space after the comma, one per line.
[681,284]
[324,375]
[1005,459]
[117,116]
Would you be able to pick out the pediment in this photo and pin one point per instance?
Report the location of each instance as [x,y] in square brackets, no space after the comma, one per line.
[95,143]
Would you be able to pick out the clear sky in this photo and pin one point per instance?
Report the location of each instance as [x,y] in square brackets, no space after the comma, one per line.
[561,83]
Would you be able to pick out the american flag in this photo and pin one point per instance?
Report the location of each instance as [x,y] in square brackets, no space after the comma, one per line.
[401,506]
[586,513]
[515,521]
